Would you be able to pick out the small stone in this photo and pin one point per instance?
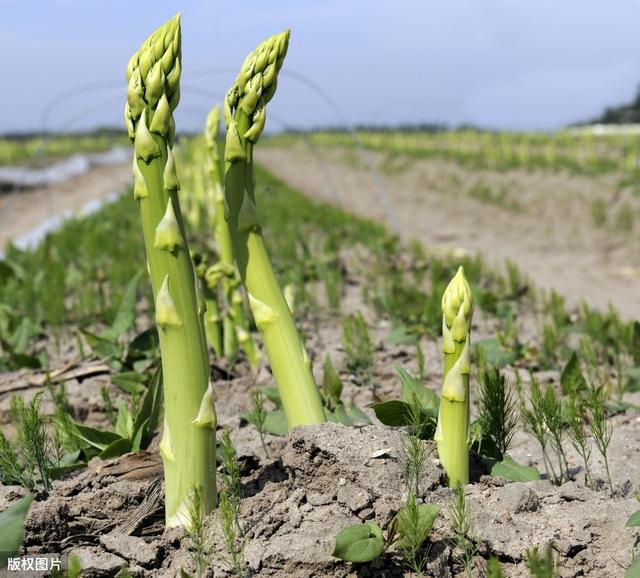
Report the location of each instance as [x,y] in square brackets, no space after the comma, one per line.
[354,498]
[518,498]
[96,563]
[366,514]
[306,508]
[319,499]
[131,548]
[381,453]
[342,482]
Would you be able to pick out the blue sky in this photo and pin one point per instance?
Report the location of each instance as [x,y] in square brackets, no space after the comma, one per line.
[510,64]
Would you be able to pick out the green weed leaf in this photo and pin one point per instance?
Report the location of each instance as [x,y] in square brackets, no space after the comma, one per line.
[511,470]
[359,543]
[571,378]
[634,519]
[12,528]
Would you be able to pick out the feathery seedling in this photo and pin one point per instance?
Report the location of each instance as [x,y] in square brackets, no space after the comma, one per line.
[358,347]
[197,542]
[545,419]
[258,417]
[452,432]
[245,116]
[578,435]
[497,412]
[235,325]
[601,429]
[462,526]
[230,502]
[187,446]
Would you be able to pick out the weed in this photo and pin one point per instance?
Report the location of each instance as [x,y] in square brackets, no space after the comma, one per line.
[258,417]
[229,503]
[28,459]
[541,565]
[497,411]
[599,212]
[358,347]
[462,526]
[601,429]
[544,419]
[414,451]
[199,546]
[577,433]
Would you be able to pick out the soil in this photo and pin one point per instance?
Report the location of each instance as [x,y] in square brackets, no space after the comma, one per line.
[540,221]
[322,479]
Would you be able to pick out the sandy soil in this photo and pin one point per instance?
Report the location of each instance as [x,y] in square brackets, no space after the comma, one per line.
[22,212]
[540,221]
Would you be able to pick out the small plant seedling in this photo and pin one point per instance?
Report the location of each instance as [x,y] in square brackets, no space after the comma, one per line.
[230,501]
[541,565]
[497,412]
[258,417]
[462,527]
[410,530]
[601,429]
[198,544]
[358,347]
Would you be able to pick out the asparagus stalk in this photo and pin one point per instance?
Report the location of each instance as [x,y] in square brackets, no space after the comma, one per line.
[245,115]
[187,446]
[235,322]
[452,432]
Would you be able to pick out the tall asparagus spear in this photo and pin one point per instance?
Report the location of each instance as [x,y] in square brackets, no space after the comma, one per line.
[187,446]
[235,322]
[245,115]
[452,433]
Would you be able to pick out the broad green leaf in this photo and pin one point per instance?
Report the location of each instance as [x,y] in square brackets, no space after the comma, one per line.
[126,315]
[331,382]
[272,394]
[633,379]
[339,415]
[23,335]
[12,528]
[95,437]
[139,435]
[410,531]
[359,543]
[130,382]
[276,423]
[395,413]
[124,421]
[571,378]
[413,387]
[6,272]
[401,335]
[102,347]
[117,448]
[633,570]
[145,343]
[151,407]
[511,470]
[634,519]
[357,415]
[495,353]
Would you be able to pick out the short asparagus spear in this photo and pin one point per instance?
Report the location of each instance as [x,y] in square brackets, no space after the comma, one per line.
[245,115]
[187,446]
[235,322]
[452,433]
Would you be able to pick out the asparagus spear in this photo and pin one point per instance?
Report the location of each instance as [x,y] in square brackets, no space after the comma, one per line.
[235,322]
[187,447]
[245,115]
[452,433]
